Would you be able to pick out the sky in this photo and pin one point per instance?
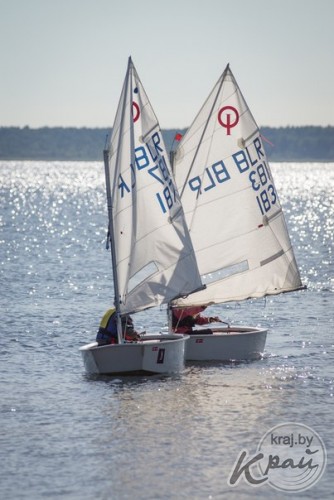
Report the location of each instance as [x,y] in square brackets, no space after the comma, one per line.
[63,62]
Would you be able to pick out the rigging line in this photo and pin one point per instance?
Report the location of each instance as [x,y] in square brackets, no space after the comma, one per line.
[134,76]
[242,96]
[222,79]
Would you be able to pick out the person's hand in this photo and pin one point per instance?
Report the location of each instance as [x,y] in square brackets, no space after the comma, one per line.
[132,336]
[214,319]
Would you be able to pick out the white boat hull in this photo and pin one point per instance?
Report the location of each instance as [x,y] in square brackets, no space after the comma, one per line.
[232,343]
[152,354]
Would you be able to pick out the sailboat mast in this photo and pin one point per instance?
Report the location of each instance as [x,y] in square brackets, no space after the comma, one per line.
[112,245]
[110,213]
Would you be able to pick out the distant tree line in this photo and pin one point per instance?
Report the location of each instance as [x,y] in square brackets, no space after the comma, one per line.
[56,143]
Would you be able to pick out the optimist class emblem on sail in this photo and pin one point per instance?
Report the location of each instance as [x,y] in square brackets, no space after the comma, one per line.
[135,111]
[135,108]
[228,125]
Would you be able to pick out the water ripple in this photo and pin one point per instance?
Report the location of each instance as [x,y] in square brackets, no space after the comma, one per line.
[79,437]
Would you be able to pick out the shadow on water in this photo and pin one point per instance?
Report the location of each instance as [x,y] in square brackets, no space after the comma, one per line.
[140,378]
[130,380]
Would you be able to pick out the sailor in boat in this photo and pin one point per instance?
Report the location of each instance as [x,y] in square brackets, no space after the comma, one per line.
[184,319]
[107,333]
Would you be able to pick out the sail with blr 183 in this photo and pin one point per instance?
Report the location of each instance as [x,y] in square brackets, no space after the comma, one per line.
[152,255]
[235,219]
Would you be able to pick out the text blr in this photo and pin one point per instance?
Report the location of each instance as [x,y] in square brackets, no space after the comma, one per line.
[150,158]
[249,161]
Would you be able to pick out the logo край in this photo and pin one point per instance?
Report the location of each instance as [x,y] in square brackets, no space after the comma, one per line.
[290,457]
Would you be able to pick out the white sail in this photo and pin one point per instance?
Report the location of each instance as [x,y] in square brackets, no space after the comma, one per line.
[153,257]
[231,204]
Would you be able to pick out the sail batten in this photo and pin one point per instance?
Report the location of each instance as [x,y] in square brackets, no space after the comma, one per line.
[271,258]
[231,203]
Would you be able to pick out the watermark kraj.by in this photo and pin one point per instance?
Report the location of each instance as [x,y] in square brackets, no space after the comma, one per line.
[290,457]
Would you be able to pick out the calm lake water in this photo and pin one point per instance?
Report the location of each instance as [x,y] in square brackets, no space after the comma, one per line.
[65,435]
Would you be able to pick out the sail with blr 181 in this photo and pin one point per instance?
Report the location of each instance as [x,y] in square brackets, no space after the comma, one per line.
[235,219]
[153,259]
